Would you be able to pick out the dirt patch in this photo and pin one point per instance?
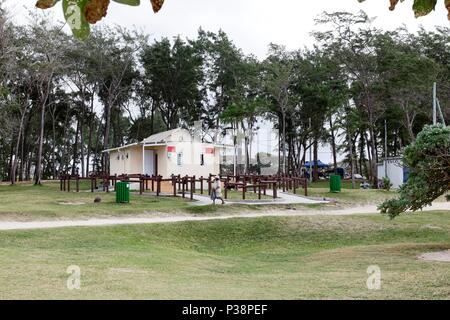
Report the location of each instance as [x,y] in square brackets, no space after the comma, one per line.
[72,203]
[442,256]
[125,270]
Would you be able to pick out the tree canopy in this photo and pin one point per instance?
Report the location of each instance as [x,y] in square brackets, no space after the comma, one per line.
[428,158]
[73,99]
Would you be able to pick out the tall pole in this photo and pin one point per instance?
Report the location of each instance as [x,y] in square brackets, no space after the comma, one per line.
[434,104]
[310,155]
[385,149]
[440,112]
[284,141]
[235,152]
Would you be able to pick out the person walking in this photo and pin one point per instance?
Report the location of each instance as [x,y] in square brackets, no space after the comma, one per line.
[216,192]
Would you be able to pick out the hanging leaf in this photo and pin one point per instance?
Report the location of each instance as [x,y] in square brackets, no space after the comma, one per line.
[423,7]
[157,5]
[45,4]
[420,7]
[75,18]
[95,10]
[393,4]
[447,5]
[133,3]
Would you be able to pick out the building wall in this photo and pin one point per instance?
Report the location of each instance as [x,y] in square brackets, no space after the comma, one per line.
[180,143]
[395,172]
[190,155]
[126,161]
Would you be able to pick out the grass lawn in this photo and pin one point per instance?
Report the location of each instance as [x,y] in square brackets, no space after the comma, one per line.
[352,197]
[27,202]
[267,258]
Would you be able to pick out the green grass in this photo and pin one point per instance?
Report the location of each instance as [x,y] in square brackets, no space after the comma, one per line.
[347,196]
[27,202]
[266,258]
[325,184]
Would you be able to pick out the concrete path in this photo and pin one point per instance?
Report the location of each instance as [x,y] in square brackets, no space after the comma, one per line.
[283,198]
[14,225]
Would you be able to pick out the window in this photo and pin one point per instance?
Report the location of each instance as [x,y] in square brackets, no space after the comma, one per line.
[179,159]
[202,159]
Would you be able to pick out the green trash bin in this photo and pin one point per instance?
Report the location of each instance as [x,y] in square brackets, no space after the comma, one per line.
[122,192]
[335,183]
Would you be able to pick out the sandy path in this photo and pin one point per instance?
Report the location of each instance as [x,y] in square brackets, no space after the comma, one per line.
[16,225]
[442,256]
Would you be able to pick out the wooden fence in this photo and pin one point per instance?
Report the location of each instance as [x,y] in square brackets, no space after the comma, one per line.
[188,186]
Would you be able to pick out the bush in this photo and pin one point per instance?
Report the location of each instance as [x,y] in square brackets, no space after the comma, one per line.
[429,161]
[386,184]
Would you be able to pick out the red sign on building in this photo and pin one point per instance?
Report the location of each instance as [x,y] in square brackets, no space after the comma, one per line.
[171,149]
[209,151]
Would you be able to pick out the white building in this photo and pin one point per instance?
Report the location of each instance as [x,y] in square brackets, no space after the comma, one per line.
[172,152]
[395,171]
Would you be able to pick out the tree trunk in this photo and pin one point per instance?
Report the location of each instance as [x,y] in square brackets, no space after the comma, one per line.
[105,161]
[284,142]
[91,128]
[333,145]
[16,149]
[75,148]
[316,160]
[38,173]
[374,161]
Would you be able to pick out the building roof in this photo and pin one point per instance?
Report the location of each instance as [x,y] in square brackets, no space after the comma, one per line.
[160,138]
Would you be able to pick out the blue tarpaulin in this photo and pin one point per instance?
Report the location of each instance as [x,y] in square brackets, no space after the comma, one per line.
[320,164]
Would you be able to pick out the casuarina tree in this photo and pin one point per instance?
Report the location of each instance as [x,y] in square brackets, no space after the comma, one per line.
[428,158]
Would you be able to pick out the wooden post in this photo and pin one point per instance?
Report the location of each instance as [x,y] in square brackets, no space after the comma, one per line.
[226,190]
[259,192]
[244,189]
[192,187]
[92,184]
[209,185]
[306,187]
[201,185]
[153,183]
[174,185]
[295,185]
[275,190]
[68,185]
[158,186]
[78,183]
[182,188]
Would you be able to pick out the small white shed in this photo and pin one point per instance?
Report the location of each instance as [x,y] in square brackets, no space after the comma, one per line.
[396,172]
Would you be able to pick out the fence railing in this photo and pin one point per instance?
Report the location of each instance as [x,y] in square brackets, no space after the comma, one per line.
[188,186]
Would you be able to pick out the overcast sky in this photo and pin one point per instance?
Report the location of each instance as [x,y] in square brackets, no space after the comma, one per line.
[252,24]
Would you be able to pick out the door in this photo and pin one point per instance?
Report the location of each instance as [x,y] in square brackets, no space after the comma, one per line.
[149,164]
